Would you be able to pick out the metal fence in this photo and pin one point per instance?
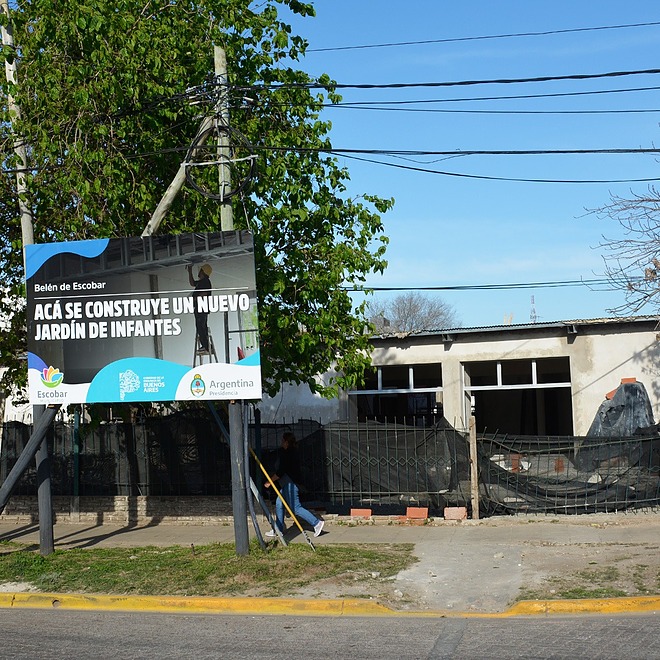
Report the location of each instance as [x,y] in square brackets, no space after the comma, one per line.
[380,465]
[569,474]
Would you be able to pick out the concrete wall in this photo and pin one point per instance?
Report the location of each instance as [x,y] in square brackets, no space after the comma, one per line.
[600,356]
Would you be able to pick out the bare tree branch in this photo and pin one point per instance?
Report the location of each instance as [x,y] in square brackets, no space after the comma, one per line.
[411,312]
[632,263]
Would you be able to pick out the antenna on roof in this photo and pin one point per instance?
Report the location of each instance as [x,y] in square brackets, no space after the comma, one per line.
[532,312]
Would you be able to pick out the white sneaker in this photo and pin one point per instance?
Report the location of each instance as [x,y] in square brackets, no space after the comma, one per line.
[271,534]
[318,528]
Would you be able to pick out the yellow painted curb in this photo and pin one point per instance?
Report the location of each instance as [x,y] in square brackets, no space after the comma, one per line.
[586,606]
[320,607]
[293,606]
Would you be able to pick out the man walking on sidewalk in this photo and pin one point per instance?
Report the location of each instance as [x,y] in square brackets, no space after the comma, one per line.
[287,472]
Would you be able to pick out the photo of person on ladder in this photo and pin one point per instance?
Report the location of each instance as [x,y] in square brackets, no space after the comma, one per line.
[202,286]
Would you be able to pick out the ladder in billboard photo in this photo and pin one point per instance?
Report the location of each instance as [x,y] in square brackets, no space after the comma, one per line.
[199,353]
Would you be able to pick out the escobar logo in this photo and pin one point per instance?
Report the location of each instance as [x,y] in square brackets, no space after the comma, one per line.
[197,386]
[51,377]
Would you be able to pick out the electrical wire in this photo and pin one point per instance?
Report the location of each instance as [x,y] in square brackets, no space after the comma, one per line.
[499,178]
[451,83]
[486,287]
[462,152]
[352,154]
[482,38]
[507,97]
[375,108]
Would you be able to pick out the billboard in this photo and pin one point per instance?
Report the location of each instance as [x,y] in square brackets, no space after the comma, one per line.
[160,318]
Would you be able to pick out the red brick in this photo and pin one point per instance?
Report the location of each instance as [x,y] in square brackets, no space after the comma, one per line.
[455,513]
[417,512]
[361,513]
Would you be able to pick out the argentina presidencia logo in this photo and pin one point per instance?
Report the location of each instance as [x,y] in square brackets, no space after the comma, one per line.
[197,386]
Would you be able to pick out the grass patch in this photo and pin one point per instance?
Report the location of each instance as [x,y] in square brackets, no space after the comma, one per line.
[603,582]
[210,570]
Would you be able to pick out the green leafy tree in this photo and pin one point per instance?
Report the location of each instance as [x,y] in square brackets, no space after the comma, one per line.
[106,114]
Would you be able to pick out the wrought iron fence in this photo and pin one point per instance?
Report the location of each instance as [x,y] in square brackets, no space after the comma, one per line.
[385,466]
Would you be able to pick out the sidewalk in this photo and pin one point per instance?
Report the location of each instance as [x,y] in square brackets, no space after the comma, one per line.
[466,568]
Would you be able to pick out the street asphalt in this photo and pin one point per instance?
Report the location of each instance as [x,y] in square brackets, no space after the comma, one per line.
[465,568]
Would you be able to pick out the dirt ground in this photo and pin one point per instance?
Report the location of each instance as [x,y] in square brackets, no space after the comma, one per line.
[591,570]
[561,567]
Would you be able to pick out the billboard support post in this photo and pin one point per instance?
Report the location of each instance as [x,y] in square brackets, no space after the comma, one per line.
[44,494]
[238,485]
[39,430]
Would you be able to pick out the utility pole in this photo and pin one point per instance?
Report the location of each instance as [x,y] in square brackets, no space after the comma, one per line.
[44,496]
[237,455]
[226,215]
[175,186]
[238,483]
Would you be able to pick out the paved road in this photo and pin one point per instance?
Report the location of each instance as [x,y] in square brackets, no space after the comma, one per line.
[45,634]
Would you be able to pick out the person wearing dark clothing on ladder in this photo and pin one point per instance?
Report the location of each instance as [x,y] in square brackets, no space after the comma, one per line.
[202,288]
[287,471]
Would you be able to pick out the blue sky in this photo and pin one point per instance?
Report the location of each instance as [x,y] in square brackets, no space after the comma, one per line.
[451,231]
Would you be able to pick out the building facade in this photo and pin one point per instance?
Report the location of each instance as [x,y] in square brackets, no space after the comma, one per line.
[535,379]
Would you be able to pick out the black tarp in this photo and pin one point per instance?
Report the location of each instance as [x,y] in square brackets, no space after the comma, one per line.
[616,466]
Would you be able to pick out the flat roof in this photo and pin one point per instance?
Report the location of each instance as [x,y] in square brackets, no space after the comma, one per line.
[524,326]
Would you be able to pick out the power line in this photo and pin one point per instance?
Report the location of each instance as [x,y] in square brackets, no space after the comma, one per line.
[376,108]
[402,153]
[498,178]
[463,152]
[486,287]
[507,97]
[452,83]
[482,38]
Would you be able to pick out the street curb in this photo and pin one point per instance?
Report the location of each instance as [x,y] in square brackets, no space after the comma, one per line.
[291,606]
[320,607]
[586,606]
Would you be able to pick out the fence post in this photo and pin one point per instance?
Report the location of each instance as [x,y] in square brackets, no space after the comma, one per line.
[474,469]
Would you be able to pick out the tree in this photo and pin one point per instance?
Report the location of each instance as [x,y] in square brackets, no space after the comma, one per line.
[411,312]
[632,263]
[104,90]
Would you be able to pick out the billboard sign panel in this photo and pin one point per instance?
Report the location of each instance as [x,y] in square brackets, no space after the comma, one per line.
[161,318]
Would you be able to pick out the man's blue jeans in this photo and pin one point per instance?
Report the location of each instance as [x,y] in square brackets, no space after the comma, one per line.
[289,491]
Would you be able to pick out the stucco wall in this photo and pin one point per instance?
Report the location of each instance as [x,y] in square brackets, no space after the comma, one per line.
[600,356]
[599,360]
